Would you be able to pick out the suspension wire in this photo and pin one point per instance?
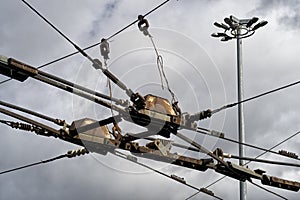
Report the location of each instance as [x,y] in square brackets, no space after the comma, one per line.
[30,121]
[234,156]
[56,121]
[104,51]
[259,186]
[54,27]
[216,181]
[160,66]
[280,142]
[76,86]
[148,13]
[69,154]
[272,162]
[159,62]
[204,150]
[105,58]
[23,126]
[258,156]
[110,94]
[230,105]
[96,44]
[283,141]
[238,157]
[250,145]
[255,97]
[33,164]
[192,195]
[6,80]
[265,161]
[270,191]
[263,153]
[136,98]
[126,157]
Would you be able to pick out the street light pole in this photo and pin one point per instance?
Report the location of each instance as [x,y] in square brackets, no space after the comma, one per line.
[241,126]
[239,29]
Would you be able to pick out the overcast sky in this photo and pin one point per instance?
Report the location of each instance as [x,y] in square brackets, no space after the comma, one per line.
[201,71]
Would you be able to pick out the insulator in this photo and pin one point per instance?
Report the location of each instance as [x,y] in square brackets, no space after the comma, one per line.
[25,127]
[207,191]
[177,178]
[104,48]
[80,152]
[199,116]
[288,154]
[217,134]
[71,153]
[86,151]
[132,158]
[280,183]
[77,152]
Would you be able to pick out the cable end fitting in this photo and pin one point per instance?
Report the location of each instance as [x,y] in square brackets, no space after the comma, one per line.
[138,100]
[199,116]
[60,122]
[78,152]
[226,155]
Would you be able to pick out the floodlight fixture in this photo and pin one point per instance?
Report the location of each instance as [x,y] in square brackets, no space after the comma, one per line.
[229,22]
[224,26]
[259,25]
[238,28]
[215,35]
[226,38]
[223,35]
[252,21]
[219,35]
[234,19]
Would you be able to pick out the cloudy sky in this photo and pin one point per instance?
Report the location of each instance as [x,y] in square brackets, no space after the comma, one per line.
[201,71]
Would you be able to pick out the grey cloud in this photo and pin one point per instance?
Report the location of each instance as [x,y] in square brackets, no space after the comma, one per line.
[103,15]
[268,120]
[109,9]
[292,22]
[290,18]
[271,4]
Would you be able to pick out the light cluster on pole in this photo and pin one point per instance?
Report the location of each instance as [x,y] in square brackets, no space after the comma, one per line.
[234,28]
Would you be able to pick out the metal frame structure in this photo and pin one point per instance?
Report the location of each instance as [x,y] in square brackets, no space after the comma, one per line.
[96,137]
[156,149]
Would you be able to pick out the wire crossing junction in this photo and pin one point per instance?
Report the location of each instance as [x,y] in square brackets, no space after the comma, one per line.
[159,116]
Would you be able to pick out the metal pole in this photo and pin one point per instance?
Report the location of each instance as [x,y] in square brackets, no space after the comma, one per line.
[241,127]
[238,29]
